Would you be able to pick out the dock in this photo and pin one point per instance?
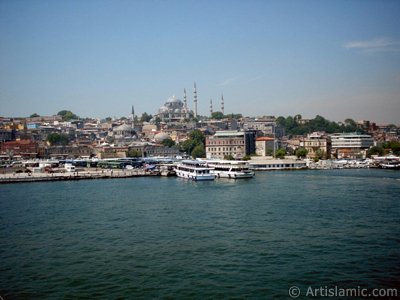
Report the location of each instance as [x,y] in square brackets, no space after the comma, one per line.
[80,175]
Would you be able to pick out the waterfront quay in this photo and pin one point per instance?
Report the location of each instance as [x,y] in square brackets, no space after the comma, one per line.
[79,175]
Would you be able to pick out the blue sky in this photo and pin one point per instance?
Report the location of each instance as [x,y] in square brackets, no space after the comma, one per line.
[338,59]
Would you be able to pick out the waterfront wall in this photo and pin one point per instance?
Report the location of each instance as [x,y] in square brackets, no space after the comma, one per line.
[102,174]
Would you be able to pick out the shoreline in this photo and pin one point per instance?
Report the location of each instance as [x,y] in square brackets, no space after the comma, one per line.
[81,175]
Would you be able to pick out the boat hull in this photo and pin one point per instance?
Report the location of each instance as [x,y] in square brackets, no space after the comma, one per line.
[195,177]
[233,175]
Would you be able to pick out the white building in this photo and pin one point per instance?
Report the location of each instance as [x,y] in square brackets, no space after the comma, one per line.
[350,145]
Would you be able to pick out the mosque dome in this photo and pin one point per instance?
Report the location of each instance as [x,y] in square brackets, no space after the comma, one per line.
[173,99]
[163,109]
[123,127]
[159,137]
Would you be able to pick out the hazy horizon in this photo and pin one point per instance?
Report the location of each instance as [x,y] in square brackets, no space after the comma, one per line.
[337,59]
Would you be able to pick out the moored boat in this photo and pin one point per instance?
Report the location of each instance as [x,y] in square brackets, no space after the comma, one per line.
[167,170]
[230,169]
[194,170]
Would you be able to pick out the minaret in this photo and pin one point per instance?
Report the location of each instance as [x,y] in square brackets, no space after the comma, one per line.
[211,108]
[195,100]
[222,104]
[133,117]
[184,99]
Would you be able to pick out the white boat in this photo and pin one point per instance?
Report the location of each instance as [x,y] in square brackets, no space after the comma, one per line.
[167,170]
[194,170]
[230,169]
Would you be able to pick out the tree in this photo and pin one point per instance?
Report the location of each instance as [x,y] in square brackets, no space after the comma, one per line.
[168,142]
[198,151]
[235,116]
[350,125]
[58,139]
[393,146]
[35,115]
[301,152]
[280,153]
[280,121]
[197,136]
[134,153]
[247,157]
[217,115]
[375,150]
[188,146]
[297,118]
[108,119]
[229,157]
[320,154]
[67,115]
[145,117]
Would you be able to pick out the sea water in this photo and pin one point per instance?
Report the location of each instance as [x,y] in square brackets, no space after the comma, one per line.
[139,238]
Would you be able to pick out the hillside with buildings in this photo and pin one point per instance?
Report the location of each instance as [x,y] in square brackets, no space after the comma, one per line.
[168,133]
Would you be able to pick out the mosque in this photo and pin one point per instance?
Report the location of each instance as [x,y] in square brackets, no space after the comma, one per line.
[174,110]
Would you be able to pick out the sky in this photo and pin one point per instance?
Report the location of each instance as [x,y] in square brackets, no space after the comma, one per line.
[338,59]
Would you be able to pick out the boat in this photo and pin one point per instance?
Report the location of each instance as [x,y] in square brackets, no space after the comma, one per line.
[233,169]
[390,165]
[194,170]
[167,170]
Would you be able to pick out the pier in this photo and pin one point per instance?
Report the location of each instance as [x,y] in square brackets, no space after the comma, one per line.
[80,175]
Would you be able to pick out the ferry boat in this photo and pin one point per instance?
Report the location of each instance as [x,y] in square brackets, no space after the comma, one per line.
[195,170]
[230,169]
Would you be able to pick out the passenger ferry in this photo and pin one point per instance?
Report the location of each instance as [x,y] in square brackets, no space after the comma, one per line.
[195,170]
[230,169]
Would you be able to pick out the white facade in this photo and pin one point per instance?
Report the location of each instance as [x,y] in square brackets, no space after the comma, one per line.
[351,140]
[350,145]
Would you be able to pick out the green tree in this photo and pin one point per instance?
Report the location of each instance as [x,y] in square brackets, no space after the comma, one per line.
[58,139]
[188,146]
[217,115]
[393,146]
[269,152]
[350,125]
[280,153]
[229,157]
[297,118]
[168,142]
[35,115]
[236,116]
[67,115]
[108,119]
[375,150]
[134,153]
[197,136]
[247,157]
[145,117]
[280,121]
[198,151]
[320,154]
[301,152]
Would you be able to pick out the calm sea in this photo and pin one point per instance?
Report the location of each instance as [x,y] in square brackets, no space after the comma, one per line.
[169,238]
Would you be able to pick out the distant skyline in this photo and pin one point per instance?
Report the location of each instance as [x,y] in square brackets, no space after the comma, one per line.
[337,59]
